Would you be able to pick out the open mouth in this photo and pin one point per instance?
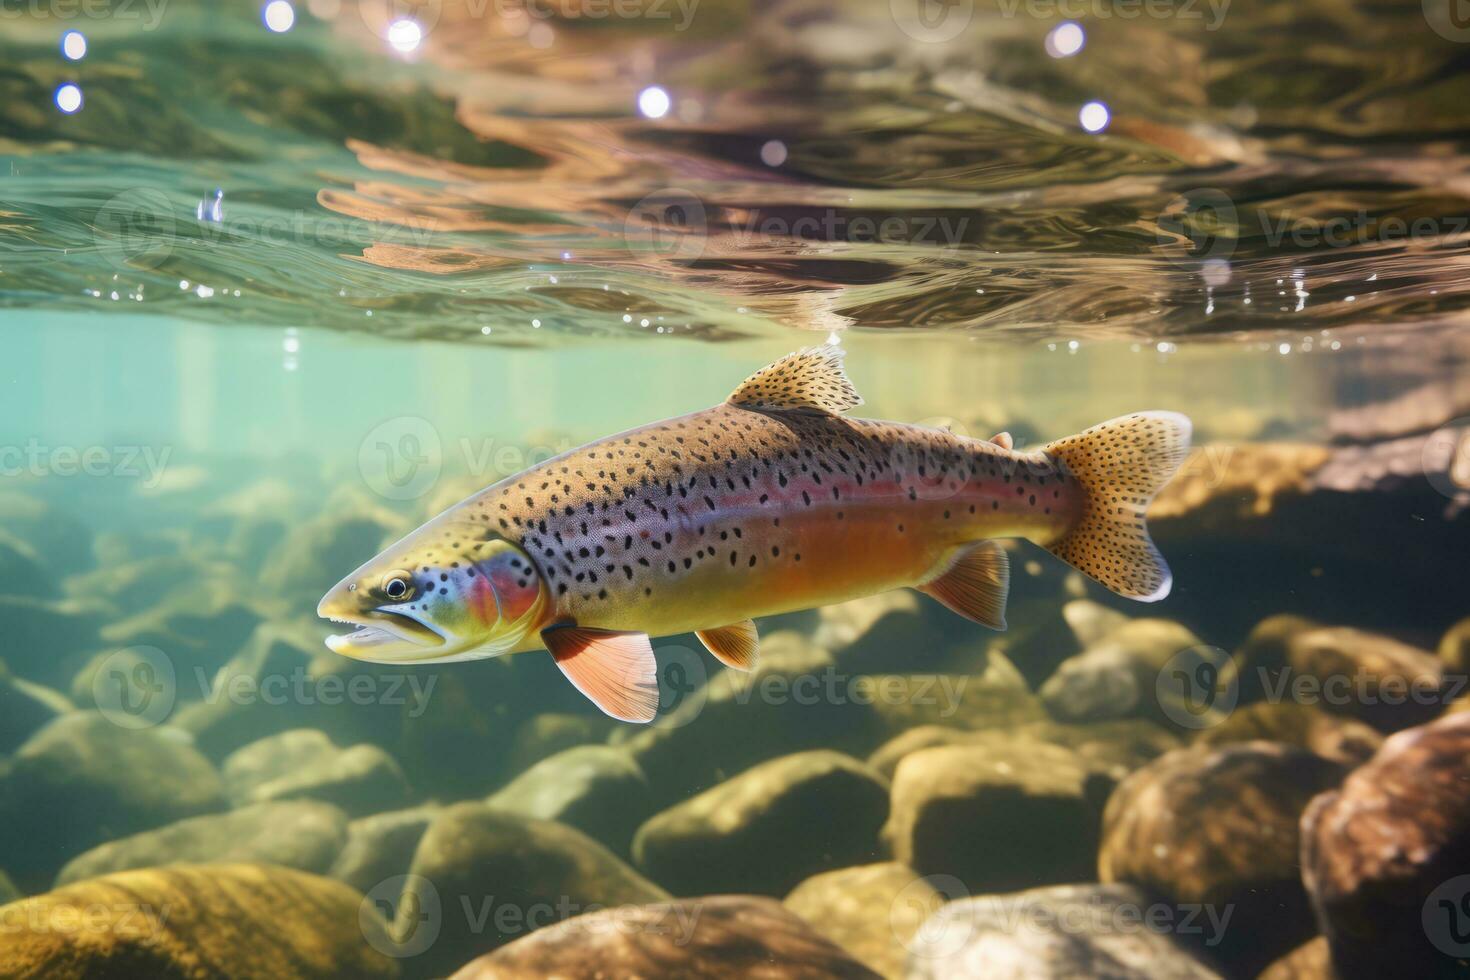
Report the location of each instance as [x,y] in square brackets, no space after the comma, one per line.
[379,629]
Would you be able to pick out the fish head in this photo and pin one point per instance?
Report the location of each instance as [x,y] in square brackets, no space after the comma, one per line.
[447,591]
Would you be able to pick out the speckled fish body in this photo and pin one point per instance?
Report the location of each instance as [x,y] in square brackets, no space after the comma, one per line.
[733,513]
[770,502]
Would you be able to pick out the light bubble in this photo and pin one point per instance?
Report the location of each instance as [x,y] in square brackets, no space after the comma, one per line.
[279,15]
[1065,40]
[405,34]
[773,153]
[68,98]
[654,102]
[1094,117]
[74,45]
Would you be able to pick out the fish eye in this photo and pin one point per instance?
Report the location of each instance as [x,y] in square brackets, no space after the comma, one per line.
[395,585]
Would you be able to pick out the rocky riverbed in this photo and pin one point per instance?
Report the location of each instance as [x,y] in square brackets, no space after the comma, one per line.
[1272,784]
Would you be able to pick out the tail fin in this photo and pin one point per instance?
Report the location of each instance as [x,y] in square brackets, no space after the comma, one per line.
[1120,465]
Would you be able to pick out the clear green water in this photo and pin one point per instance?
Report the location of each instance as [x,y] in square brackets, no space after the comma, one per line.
[269,300]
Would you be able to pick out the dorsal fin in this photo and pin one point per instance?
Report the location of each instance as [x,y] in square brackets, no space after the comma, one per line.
[810,380]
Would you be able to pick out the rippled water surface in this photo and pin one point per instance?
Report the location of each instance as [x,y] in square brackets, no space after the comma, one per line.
[1268,169]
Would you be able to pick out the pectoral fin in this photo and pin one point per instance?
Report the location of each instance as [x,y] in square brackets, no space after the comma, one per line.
[617,671]
[736,645]
[975,585]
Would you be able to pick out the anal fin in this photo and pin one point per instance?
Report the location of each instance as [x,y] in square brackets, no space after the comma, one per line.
[975,585]
[736,645]
[616,670]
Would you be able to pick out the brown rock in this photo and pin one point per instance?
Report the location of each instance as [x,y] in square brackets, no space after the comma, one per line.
[768,828]
[1343,740]
[872,911]
[196,921]
[1386,857]
[1219,827]
[728,937]
[1310,961]
[1388,684]
[996,816]
[482,877]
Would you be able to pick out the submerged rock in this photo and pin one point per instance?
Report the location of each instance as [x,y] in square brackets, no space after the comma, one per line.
[1388,684]
[382,846]
[1261,657]
[183,923]
[485,877]
[798,698]
[304,764]
[45,639]
[1057,933]
[768,828]
[1386,858]
[872,911]
[1219,828]
[598,789]
[1310,961]
[1118,676]
[1091,621]
[1112,749]
[21,571]
[1342,740]
[197,626]
[56,537]
[255,694]
[727,937]
[551,732]
[305,836]
[1454,649]
[890,632]
[997,815]
[25,708]
[82,780]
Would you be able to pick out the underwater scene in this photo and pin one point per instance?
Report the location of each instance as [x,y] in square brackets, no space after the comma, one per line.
[917,489]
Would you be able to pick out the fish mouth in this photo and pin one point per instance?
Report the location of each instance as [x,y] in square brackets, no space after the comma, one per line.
[384,635]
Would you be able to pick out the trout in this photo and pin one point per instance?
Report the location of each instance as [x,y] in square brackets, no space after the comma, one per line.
[770,502]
